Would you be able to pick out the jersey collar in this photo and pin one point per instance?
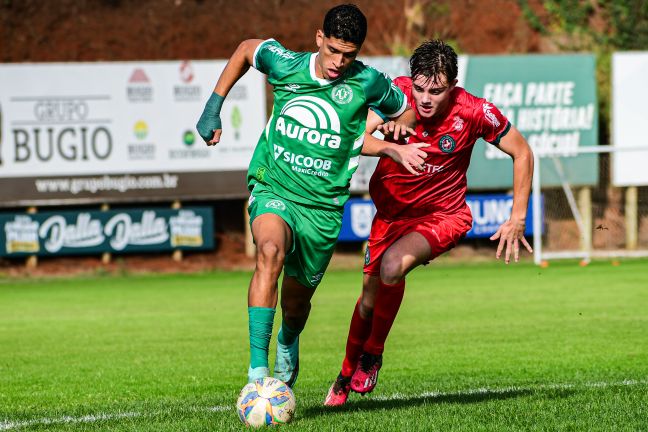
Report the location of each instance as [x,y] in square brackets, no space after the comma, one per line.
[314,77]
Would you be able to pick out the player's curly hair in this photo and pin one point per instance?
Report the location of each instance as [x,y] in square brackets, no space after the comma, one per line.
[346,22]
[432,59]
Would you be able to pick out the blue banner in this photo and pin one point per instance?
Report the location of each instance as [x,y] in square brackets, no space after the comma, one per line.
[489,212]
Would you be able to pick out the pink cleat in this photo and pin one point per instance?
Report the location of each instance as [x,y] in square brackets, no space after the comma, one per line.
[365,376]
[339,391]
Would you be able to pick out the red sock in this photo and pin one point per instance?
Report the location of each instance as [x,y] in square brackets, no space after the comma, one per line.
[388,300]
[358,333]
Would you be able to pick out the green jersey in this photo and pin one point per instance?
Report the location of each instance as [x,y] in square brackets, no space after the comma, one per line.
[311,145]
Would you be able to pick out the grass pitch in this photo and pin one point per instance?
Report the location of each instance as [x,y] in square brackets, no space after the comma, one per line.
[475,347]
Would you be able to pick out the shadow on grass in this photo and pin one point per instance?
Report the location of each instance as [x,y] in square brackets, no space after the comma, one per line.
[401,401]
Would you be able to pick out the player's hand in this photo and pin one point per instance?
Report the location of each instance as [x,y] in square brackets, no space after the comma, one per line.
[510,234]
[216,138]
[410,156]
[209,125]
[395,131]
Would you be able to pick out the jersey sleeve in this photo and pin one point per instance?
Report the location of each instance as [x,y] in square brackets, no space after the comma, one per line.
[385,96]
[272,59]
[492,125]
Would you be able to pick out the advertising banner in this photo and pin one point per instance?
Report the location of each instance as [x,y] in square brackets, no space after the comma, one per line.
[489,212]
[551,100]
[73,132]
[117,231]
[629,114]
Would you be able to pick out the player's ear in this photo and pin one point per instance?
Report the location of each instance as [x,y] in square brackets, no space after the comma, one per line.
[319,38]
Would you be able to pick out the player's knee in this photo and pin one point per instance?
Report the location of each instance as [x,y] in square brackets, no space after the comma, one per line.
[391,271]
[269,253]
[366,309]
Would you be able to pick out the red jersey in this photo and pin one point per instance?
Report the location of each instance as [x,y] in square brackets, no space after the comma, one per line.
[441,187]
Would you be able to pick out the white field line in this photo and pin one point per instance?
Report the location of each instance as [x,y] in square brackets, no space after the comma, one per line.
[9,425]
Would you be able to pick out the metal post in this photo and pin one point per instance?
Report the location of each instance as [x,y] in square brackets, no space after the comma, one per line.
[537,211]
[585,208]
[631,217]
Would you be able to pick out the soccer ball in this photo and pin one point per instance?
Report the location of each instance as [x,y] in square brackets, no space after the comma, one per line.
[266,402]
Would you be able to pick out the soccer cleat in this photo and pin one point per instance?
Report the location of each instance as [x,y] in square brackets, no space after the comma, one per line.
[365,376]
[339,391]
[257,373]
[287,362]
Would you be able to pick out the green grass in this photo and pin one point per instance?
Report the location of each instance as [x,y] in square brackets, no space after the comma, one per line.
[475,347]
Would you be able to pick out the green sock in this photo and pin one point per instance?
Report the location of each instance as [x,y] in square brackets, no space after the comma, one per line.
[287,335]
[260,321]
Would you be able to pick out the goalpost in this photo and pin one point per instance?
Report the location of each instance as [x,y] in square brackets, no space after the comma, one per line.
[581,209]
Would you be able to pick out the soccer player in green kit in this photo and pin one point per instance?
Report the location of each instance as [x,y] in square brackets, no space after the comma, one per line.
[300,171]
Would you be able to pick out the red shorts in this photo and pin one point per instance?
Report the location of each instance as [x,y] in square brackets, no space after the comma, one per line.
[442,231]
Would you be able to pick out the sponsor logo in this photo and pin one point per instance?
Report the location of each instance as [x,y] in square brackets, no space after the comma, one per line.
[63,129]
[276,204]
[432,169]
[303,163]
[123,231]
[458,123]
[279,51]
[312,116]
[141,150]
[361,217]
[342,94]
[238,92]
[292,87]
[186,92]
[260,173]
[317,277]
[139,88]
[21,235]
[186,229]
[367,256]
[186,72]
[236,121]
[447,144]
[140,129]
[188,139]
[489,115]
[138,76]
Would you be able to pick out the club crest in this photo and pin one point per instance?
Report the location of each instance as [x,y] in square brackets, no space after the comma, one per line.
[447,144]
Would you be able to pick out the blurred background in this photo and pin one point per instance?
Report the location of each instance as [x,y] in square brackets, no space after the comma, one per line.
[99,98]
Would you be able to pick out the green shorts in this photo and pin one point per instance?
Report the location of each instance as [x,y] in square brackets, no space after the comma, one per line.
[314,230]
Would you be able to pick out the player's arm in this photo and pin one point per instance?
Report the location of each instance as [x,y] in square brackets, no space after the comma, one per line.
[511,232]
[399,127]
[410,156]
[209,125]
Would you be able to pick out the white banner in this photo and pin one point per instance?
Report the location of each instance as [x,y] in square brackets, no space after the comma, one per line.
[122,117]
[629,114]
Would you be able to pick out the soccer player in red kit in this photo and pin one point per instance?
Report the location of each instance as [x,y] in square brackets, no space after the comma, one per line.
[419,217]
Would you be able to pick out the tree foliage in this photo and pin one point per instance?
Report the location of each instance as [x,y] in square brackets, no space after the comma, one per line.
[596,26]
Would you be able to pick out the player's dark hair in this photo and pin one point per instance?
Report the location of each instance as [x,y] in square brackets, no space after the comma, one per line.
[432,59]
[346,22]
